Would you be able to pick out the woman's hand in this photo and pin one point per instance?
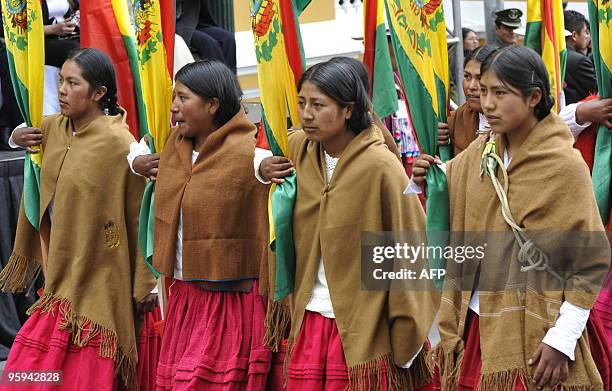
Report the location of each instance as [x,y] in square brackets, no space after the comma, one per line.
[147,304]
[62,28]
[28,138]
[421,166]
[275,168]
[551,366]
[443,133]
[147,165]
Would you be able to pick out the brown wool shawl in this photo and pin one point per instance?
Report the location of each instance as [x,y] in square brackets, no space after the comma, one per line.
[92,265]
[365,194]
[463,127]
[224,206]
[549,189]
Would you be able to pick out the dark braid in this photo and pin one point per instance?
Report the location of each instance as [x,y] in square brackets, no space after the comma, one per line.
[112,107]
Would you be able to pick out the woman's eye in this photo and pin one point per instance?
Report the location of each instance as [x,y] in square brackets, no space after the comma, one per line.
[500,93]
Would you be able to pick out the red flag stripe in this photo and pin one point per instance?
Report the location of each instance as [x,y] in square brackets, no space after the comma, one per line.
[369,35]
[292,44]
[99,30]
[549,23]
[167,15]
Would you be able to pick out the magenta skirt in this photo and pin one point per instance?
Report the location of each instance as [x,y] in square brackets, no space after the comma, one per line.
[213,340]
[41,346]
[317,360]
[603,305]
[149,345]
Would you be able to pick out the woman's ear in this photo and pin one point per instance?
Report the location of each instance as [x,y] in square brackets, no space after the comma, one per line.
[99,93]
[214,105]
[535,97]
[348,111]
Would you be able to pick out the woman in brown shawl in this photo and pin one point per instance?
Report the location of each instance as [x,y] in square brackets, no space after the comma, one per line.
[95,278]
[211,238]
[343,336]
[516,319]
[464,123]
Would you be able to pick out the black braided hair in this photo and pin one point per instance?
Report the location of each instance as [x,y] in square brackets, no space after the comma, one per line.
[522,68]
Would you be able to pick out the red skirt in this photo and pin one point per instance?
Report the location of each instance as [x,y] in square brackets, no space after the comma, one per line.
[471,366]
[603,305]
[213,340]
[317,359]
[41,346]
[149,345]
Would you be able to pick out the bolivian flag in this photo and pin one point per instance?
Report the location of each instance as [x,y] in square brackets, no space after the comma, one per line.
[418,32]
[152,30]
[377,59]
[600,15]
[100,29]
[25,39]
[280,62]
[545,35]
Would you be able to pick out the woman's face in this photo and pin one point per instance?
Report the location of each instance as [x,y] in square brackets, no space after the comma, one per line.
[471,41]
[76,99]
[323,120]
[506,109]
[193,115]
[471,84]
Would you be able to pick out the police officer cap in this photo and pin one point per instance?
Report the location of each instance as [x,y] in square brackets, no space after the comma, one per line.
[510,17]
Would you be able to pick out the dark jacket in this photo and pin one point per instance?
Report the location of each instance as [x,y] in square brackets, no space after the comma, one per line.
[580,78]
[190,14]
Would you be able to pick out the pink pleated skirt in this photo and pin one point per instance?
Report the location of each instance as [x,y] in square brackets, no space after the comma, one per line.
[317,360]
[41,346]
[213,340]
[149,345]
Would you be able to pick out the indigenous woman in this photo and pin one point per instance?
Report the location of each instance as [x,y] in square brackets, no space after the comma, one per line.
[516,320]
[84,323]
[348,182]
[465,122]
[211,239]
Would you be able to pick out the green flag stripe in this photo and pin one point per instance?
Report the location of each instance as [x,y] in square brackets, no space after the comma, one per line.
[533,38]
[384,95]
[132,52]
[21,91]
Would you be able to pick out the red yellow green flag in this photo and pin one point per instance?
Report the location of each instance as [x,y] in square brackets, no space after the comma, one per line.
[600,15]
[280,62]
[100,29]
[24,37]
[546,35]
[377,59]
[418,33]
[153,26]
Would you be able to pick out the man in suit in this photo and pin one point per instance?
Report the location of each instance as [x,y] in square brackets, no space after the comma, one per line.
[196,25]
[580,78]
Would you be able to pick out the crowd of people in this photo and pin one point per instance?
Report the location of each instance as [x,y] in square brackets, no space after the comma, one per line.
[515,171]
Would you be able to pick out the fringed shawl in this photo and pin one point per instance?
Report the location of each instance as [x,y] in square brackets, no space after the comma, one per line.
[377,328]
[90,258]
[550,192]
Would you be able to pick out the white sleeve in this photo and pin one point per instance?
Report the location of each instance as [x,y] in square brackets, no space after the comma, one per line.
[413,188]
[568,329]
[409,363]
[568,115]
[137,149]
[260,155]
[11,143]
